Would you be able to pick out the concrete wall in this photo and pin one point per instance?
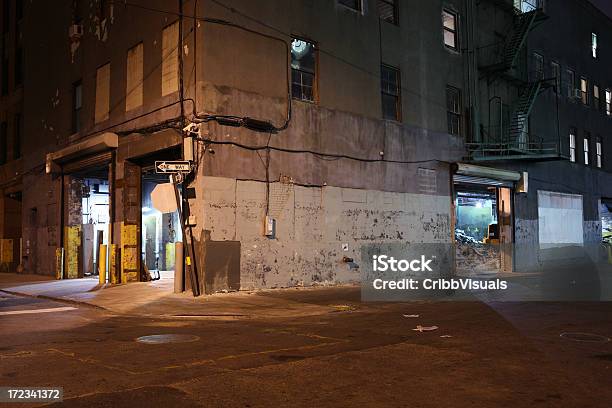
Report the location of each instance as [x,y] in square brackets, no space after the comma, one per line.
[312,224]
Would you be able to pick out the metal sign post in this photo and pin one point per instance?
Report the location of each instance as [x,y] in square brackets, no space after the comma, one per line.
[177,170]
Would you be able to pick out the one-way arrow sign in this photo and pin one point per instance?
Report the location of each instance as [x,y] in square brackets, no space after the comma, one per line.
[172,166]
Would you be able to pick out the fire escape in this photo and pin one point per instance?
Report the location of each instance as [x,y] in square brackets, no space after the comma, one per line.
[508,136]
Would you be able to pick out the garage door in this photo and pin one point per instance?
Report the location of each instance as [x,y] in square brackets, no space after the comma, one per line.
[560,219]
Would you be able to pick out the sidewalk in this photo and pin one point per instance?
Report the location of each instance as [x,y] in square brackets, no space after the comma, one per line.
[156,299]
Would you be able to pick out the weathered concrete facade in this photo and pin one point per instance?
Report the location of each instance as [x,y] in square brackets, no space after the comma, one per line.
[338,177]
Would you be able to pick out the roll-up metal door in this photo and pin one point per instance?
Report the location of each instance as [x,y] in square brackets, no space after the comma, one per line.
[87,162]
[460,178]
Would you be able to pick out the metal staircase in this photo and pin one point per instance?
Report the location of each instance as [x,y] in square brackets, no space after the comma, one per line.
[518,132]
[524,22]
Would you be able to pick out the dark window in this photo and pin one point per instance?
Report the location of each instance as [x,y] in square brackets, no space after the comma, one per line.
[352,4]
[571,84]
[387,10]
[303,70]
[3,143]
[390,84]
[556,74]
[6,16]
[449,22]
[596,97]
[453,107]
[77,104]
[17,133]
[538,66]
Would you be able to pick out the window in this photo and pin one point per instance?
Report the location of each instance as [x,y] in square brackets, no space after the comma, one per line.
[387,10]
[170,78]
[596,100]
[608,102]
[303,70]
[3,142]
[77,105]
[572,144]
[598,153]
[102,93]
[571,83]
[594,45]
[133,91]
[556,74]
[585,143]
[390,84]
[538,66]
[449,21]
[17,134]
[352,4]
[584,91]
[453,108]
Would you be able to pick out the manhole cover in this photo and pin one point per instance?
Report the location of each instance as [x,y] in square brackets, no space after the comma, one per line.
[586,337]
[167,338]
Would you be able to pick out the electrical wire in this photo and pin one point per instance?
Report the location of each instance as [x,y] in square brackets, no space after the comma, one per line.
[317,154]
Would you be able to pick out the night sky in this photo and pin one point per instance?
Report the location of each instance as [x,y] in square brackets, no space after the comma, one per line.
[604,5]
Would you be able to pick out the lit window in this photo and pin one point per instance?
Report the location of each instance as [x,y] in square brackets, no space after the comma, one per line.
[596,100]
[584,91]
[608,102]
[585,144]
[556,74]
[453,110]
[449,21]
[390,92]
[598,151]
[572,144]
[303,70]
[352,4]
[387,10]
[594,45]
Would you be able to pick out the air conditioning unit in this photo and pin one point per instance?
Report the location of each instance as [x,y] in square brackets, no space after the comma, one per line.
[75,31]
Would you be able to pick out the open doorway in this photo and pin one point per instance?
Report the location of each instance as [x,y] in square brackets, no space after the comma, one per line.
[86,220]
[483,229]
[160,231]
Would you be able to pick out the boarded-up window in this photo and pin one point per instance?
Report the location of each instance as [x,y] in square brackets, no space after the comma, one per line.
[170,59]
[133,91]
[102,93]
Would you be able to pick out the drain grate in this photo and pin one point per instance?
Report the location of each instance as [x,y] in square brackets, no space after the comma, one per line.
[167,338]
[585,337]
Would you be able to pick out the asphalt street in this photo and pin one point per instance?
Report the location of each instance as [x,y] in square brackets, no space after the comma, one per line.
[497,355]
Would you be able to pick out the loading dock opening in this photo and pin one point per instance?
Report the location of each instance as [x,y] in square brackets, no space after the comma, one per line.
[483,220]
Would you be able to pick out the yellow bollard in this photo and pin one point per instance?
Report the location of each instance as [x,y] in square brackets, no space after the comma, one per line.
[102,265]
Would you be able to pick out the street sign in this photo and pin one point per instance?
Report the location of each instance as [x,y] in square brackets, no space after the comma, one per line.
[172,166]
